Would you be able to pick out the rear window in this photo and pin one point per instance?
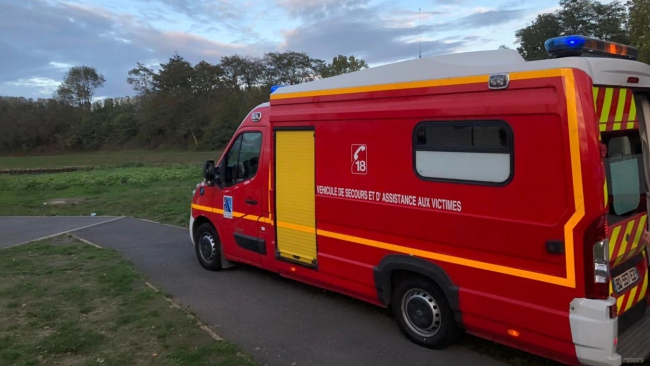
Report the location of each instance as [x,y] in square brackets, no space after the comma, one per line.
[624,169]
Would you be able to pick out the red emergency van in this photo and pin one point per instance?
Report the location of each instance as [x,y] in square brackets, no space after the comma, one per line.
[473,192]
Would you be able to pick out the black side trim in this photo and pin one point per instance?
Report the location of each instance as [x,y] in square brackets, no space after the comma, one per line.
[253,244]
[293,128]
[397,262]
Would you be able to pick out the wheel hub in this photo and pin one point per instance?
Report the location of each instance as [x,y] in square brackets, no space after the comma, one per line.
[207,247]
[421,312]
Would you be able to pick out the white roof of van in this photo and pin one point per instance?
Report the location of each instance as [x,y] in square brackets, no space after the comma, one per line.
[603,71]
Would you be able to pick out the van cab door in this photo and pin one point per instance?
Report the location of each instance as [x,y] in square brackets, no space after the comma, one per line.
[241,195]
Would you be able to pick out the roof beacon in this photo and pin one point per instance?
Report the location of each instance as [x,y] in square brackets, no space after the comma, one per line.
[566,46]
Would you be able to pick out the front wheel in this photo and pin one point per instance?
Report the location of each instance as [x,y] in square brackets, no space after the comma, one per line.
[208,247]
[423,313]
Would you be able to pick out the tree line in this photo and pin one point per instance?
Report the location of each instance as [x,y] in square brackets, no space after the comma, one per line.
[180,105]
[177,105]
[626,23]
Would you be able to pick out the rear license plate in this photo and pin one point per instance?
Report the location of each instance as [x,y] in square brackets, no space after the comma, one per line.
[626,279]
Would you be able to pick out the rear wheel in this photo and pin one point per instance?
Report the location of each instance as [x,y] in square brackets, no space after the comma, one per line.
[208,247]
[423,313]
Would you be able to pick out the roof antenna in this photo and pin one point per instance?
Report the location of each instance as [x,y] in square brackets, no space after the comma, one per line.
[419,32]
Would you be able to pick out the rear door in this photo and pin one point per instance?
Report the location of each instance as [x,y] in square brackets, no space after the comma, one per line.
[625,137]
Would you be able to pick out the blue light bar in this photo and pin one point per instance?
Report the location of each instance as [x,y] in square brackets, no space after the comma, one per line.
[276,87]
[576,45]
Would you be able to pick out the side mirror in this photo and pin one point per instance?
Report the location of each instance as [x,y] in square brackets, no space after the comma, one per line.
[209,171]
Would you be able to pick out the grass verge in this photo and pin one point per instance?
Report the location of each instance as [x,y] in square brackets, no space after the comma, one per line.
[106,159]
[63,302]
[156,193]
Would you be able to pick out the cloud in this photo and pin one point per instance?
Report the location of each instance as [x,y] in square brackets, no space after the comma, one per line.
[60,65]
[367,37]
[311,10]
[46,38]
[43,86]
[488,18]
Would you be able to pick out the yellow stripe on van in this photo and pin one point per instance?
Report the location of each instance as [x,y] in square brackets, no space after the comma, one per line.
[632,298]
[604,114]
[624,241]
[612,241]
[595,90]
[639,232]
[621,105]
[632,112]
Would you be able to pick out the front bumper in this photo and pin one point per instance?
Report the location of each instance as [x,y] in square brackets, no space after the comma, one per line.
[192,229]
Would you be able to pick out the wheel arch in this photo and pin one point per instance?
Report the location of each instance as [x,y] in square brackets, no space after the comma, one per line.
[200,220]
[393,264]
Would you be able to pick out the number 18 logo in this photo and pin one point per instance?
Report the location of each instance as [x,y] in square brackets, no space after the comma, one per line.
[359,159]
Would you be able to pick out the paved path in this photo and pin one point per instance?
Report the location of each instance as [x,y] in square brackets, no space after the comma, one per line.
[278,321]
[18,230]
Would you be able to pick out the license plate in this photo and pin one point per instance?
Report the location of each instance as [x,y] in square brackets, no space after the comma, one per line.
[626,279]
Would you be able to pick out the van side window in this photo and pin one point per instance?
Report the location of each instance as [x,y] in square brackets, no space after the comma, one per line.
[470,151]
[243,158]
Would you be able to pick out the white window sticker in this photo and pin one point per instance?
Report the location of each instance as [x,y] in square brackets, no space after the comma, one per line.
[359,159]
[227,207]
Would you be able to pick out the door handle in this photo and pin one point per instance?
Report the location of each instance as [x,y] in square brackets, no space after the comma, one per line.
[250,201]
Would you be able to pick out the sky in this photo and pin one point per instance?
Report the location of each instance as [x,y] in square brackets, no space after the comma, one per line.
[41,39]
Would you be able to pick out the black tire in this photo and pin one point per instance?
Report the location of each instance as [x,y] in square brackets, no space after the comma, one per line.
[426,304]
[205,236]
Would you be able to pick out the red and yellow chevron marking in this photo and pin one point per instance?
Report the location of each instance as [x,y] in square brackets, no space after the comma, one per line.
[624,238]
[615,109]
[633,296]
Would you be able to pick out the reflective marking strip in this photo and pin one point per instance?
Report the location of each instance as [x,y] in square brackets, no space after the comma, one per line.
[612,241]
[624,240]
[621,105]
[619,302]
[576,174]
[446,258]
[595,90]
[631,297]
[220,212]
[606,194]
[604,115]
[632,111]
[644,289]
[481,79]
[301,228]
[639,231]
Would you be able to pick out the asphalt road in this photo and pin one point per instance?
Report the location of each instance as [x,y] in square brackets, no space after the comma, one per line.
[277,321]
[18,230]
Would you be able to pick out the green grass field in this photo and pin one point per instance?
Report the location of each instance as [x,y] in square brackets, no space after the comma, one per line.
[67,303]
[107,159]
[156,193]
[149,185]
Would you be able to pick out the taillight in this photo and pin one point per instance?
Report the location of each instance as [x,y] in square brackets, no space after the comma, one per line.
[596,253]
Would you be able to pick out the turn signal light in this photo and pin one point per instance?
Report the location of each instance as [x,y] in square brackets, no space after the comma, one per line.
[513,333]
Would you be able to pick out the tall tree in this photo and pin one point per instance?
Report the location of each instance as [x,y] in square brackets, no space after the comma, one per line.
[585,17]
[639,24]
[291,68]
[531,39]
[343,65]
[79,85]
